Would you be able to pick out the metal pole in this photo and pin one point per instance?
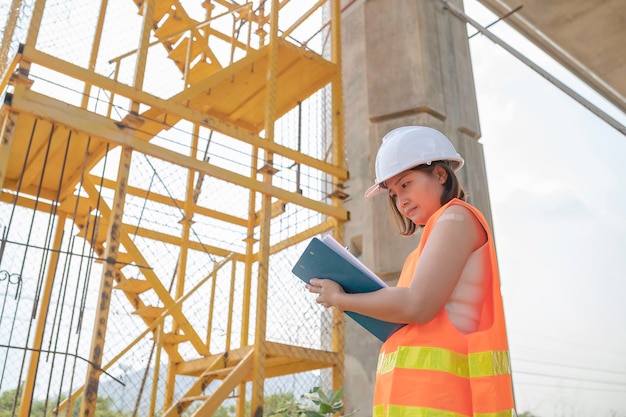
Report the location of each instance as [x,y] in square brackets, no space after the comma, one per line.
[7,134]
[29,384]
[258,371]
[338,343]
[95,47]
[7,36]
[88,406]
[580,99]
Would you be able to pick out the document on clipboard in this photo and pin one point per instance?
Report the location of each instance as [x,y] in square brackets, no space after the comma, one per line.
[326,258]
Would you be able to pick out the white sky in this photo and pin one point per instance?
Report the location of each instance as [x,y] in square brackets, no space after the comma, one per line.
[556,178]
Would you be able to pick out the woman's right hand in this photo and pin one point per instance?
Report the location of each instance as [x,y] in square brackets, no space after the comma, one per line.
[328,291]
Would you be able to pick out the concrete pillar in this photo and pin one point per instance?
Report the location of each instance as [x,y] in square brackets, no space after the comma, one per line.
[405,62]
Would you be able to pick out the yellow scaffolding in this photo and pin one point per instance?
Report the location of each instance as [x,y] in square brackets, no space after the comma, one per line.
[159,178]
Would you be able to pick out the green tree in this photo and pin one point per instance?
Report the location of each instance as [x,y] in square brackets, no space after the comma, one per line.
[275,401]
[318,403]
[104,405]
[7,398]
[270,404]
[223,411]
[6,401]
[104,408]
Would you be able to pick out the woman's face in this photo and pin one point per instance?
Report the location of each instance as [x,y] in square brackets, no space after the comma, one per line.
[417,193]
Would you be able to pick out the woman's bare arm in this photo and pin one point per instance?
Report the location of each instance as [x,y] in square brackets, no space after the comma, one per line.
[454,237]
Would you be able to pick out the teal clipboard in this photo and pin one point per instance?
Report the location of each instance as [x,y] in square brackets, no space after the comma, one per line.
[319,260]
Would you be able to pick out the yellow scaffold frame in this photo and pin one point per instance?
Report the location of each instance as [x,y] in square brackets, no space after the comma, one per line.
[284,75]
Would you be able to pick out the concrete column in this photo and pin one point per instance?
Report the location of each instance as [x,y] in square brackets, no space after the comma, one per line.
[405,62]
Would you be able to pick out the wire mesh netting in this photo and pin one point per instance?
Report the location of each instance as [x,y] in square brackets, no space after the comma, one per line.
[186,263]
[153,212]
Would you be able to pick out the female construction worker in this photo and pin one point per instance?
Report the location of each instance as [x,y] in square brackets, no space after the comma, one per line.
[451,359]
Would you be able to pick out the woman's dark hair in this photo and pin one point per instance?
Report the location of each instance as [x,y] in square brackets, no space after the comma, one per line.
[451,189]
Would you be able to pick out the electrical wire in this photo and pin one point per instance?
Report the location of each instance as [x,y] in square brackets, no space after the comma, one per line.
[571,366]
[569,387]
[570,378]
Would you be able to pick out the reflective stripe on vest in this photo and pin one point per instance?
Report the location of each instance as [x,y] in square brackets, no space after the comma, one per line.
[489,363]
[439,359]
[400,411]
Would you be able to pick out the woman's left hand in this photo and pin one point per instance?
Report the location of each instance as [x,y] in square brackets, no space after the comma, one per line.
[328,291]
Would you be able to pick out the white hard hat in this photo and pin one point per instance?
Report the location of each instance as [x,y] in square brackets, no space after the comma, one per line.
[407,147]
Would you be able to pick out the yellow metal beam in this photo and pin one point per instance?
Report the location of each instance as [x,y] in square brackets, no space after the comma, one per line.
[238,93]
[28,203]
[279,357]
[231,304]
[237,375]
[7,133]
[29,383]
[155,372]
[233,355]
[338,147]
[68,208]
[173,308]
[45,194]
[55,144]
[196,389]
[7,36]
[178,241]
[147,24]
[181,266]
[169,201]
[7,68]
[294,367]
[260,332]
[303,18]
[180,111]
[99,126]
[298,352]
[114,237]
[95,47]
[196,367]
[307,234]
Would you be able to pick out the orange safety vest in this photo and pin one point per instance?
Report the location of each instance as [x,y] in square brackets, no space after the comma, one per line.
[433,370]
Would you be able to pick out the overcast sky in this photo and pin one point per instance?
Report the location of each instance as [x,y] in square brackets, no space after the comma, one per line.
[556,177]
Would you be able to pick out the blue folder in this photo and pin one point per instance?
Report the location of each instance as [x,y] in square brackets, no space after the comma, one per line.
[321,261]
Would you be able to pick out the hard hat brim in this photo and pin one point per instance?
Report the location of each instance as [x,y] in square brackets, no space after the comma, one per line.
[374,190]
